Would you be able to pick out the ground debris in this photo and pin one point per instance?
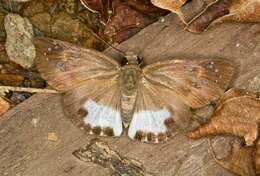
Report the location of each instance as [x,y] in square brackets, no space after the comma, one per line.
[4,106]
[99,153]
[240,160]
[52,137]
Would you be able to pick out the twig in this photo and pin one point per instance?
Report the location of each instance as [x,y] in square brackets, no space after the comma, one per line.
[4,89]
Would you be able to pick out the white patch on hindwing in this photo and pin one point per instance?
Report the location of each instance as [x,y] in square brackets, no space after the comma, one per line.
[103,116]
[149,121]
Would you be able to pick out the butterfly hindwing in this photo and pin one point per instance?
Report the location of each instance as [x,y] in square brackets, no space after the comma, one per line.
[155,113]
[89,80]
[98,109]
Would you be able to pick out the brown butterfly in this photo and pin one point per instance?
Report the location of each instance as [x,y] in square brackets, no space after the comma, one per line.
[103,97]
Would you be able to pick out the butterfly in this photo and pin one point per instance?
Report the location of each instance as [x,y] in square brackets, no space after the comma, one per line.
[102,97]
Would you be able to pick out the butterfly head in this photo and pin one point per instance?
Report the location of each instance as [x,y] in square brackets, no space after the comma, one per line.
[132,59]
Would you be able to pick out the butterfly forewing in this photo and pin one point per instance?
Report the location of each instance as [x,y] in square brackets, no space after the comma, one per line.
[89,80]
[66,66]
[195,82]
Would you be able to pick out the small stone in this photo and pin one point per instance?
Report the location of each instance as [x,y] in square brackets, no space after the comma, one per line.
[162,20]
[52,137]
[35,122]
[19,46]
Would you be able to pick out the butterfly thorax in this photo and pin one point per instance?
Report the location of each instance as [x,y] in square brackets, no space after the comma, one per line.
[130,75]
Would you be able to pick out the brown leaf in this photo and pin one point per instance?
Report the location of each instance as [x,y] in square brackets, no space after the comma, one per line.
[146,7]
[243,11]
[237,113]
[102,7]
[173,6]
[208,15]
[226,10]
[240,161]
[123,19]
[257,157]
[4,106]
[125,22]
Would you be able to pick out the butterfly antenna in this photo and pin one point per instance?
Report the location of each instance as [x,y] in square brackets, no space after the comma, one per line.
[10,4]
[108,44]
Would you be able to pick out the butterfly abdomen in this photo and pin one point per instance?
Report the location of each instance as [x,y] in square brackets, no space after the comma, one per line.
[127,108]
[129,82]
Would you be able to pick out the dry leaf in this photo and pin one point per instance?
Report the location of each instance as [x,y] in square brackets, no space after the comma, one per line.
[173,6]
[122,19]
[240,160]
[257,157]
[243,11]
[208,15]
[124,23]
[237,113]
[213,12]
[226,10]
[103,8]
[4,106]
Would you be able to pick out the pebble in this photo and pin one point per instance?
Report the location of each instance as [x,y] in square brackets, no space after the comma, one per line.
[52,137]
[19,46]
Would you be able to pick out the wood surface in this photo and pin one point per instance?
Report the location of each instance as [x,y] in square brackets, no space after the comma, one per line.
[26,151]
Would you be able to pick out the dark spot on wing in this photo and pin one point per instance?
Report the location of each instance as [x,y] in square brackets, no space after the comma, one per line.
[162,137]
[139,135]
[96,130]
[169,123]
[151,137]
[108,131]
[82,113]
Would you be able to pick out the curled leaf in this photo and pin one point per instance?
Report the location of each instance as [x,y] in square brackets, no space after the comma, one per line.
[208,15]
[240,161]
[257,157]
[226,10]
[172,5]
[237,113]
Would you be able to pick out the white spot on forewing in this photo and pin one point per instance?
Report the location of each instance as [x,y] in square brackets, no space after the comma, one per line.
[103,116]
[148,121]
